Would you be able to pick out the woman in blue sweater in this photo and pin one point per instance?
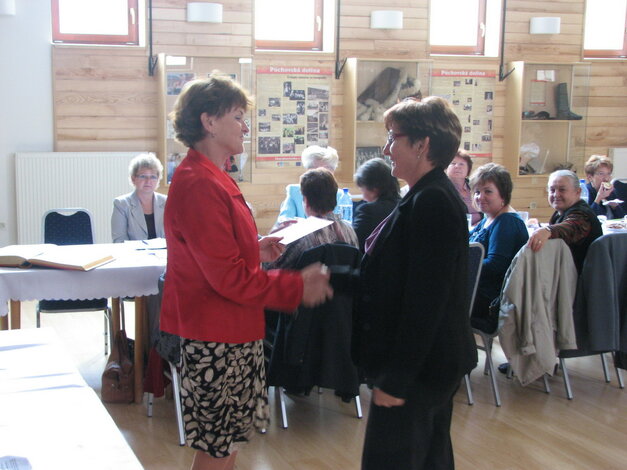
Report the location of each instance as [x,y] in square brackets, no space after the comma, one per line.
[501,232]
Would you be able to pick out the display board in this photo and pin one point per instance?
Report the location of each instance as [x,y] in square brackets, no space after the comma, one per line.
[471,93]
[292,113]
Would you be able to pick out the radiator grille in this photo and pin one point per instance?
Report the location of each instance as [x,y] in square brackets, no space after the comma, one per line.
[53,180]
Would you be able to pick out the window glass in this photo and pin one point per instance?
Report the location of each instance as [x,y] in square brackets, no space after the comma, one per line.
[288,24]
[95,21]
[605,28]
[459,26]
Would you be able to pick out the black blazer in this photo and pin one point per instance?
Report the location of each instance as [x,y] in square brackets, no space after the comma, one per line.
[312,346]
[412,333]
[370,214]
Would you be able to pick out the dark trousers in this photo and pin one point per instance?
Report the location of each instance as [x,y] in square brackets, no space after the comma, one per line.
[415,436]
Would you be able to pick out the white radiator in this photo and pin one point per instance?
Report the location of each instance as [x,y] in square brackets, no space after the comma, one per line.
[54,180]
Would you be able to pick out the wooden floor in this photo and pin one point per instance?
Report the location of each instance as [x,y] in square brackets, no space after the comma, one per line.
[532,430]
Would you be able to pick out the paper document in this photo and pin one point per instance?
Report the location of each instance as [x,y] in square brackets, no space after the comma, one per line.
[300,229]
[152,244]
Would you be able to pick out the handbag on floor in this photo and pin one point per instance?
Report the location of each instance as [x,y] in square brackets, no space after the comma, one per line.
[117,378]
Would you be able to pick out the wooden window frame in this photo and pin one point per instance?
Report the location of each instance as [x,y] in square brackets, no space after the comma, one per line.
[609,53]
[315,45]
[478,49]
[130,39]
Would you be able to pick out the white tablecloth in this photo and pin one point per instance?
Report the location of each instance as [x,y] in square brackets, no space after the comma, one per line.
[48,414]
[132,273]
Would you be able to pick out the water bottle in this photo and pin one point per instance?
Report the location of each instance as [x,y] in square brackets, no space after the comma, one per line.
[584,190]
[346,206]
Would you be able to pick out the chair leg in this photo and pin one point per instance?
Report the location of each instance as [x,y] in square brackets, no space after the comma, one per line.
[606,371]
[177,402]
[471,400]
[279,390]
[569,391]
[619,375]
[149,404]
[547,387]
[487,342]
[358,407]
[38,318]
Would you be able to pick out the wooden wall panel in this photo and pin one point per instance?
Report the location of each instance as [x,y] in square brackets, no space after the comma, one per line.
[105,100]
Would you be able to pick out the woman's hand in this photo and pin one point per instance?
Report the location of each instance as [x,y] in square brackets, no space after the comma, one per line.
[538,239]
[316,288]
[380,398]
[270,248]
[604,192]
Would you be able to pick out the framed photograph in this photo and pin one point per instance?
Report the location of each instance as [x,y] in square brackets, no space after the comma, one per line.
[363,154]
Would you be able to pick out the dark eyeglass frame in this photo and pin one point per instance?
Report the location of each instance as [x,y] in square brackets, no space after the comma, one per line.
[148,177]
[393,136]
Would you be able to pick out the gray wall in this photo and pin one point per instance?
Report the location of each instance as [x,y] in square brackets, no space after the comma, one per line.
[26,123]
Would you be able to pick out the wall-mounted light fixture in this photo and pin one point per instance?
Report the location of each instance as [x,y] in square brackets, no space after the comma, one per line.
[204,12]
[545,25]
[386,19]
[7,7]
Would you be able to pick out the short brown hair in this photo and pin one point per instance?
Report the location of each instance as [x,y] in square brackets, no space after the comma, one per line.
[466,157]
[497,174]
[320,188]
[216,96]
[596,161]
[432,117]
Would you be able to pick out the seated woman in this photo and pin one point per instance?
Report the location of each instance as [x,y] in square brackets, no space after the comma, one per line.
[381,194]
[138,215]
[313,156]
[573,221]
[458,172]
[319,192]
[502,233]
[598,170]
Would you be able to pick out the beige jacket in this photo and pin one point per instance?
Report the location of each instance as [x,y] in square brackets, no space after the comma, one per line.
[537,309]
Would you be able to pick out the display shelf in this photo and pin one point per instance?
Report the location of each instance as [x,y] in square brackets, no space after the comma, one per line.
[545,117]
[370,88]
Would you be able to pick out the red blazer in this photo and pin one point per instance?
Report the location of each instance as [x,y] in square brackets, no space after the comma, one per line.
[215,289]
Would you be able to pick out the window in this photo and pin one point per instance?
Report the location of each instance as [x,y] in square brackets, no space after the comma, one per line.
[457,27]
[605,34]
[95,22]
[289,24]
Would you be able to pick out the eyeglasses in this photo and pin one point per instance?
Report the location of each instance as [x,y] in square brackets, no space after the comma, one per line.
[602,174]
[392,137]
[148,177]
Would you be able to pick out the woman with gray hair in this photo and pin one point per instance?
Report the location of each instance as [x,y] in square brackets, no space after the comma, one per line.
[573,221]
[312,157]
[139,215]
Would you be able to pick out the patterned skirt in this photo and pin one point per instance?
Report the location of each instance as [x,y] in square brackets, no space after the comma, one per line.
[223,394]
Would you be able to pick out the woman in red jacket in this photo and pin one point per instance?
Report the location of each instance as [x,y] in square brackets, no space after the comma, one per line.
[215,291]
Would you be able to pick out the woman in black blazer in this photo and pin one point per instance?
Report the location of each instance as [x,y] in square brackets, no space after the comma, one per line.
[381,194]
[412,335]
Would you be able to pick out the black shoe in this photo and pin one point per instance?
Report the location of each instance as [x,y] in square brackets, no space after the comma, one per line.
[503,368]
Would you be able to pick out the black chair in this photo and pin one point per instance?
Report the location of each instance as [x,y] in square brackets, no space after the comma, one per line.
[72,226]
[475,263]
[620,188]
[312,346]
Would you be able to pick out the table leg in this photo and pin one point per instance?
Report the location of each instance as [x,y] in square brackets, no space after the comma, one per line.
[16,314]
[115,315]
[140,304]
[4,323]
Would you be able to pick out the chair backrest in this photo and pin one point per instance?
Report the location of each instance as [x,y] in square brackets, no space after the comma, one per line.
[475,263]
[72,226]
[314,346]
[620,188]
